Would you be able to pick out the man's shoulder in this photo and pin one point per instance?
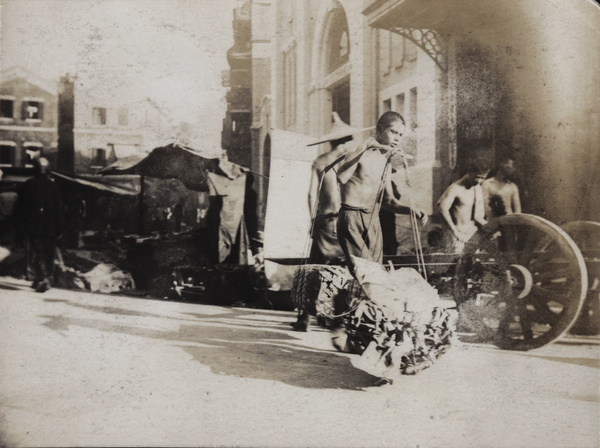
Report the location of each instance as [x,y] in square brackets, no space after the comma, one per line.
[513,186]
[454,186]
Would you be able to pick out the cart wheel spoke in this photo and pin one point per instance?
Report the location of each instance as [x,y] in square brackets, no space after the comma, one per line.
[549,294]
[546,309]
[553,274]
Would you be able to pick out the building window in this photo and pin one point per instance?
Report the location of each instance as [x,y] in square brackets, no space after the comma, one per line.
[32,109]
[338,40]
[31,151]
[289,86]
[398,44]
[99,116]
[387,105]
[400,104]
[7,153]
[344,45]
[98,158]
[123,116]
[7,106]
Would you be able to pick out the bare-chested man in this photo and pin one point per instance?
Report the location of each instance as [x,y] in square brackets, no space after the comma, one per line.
[363,176]
[500,193]
[462,207]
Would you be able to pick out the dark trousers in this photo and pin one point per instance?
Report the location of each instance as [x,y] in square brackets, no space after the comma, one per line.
[325,247]
[359,234]
[40,258]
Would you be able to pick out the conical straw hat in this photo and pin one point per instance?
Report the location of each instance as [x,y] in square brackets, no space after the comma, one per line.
[339,130]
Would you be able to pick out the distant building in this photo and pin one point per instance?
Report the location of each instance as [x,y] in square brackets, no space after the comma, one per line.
[470,80]
[98,127]
[28,118]
[236,137]
[245,126]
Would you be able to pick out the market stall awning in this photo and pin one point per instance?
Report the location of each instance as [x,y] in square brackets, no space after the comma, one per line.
[110,184]
[175,161]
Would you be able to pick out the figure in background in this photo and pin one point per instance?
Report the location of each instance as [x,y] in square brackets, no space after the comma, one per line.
[8,199]
[462,207]
[39,215]
[324,202]
[500,192]
[363,177]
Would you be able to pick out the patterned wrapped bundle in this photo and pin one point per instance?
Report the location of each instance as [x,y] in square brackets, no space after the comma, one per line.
[321,290]
[398,324]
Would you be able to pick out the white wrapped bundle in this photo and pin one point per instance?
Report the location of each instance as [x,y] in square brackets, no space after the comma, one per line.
[401,326]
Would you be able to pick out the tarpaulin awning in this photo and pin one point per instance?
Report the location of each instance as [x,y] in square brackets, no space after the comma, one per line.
[175,161]
[121,185]
[111,184]
[223,180]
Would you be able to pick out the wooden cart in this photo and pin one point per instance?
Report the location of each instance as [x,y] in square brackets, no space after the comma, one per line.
[521,281]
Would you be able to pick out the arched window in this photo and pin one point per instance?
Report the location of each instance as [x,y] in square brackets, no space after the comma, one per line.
[338,41]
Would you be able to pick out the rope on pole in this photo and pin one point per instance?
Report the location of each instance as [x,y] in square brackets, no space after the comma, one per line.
[414,224]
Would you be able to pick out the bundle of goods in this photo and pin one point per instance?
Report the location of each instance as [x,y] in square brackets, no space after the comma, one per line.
[321,290]
[397,323]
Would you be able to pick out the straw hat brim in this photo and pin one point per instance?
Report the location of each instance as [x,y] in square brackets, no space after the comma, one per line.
[340,133]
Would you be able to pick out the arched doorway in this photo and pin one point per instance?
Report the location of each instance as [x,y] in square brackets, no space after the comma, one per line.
[331,69]
[337,56]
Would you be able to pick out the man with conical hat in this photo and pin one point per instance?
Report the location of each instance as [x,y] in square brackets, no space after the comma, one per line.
[324,201]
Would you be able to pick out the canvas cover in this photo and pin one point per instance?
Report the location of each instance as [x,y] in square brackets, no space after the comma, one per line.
[221,178]
[120,185]
[232,234]
[175,161]
[287,220]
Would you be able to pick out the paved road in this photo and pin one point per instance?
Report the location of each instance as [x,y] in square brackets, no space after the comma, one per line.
[80,369]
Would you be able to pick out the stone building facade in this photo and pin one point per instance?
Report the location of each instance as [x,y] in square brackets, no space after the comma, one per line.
[245,134]
[97,127]
[325,58]
[472,79]
[512,77]
[236,137]
[28,119]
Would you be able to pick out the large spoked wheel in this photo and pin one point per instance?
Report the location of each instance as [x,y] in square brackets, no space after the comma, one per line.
[586,235]
[520,282]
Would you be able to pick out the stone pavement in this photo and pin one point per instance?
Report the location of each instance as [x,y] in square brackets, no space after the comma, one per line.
[81,369]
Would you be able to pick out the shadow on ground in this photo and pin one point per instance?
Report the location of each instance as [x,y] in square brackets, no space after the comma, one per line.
[236,342]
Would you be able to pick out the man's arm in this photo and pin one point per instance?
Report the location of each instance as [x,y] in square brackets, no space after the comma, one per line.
[516,199]
[350,162]
[485,187]
[446,202]
[322,164]
[479,206]
[390,202]
[315,179]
